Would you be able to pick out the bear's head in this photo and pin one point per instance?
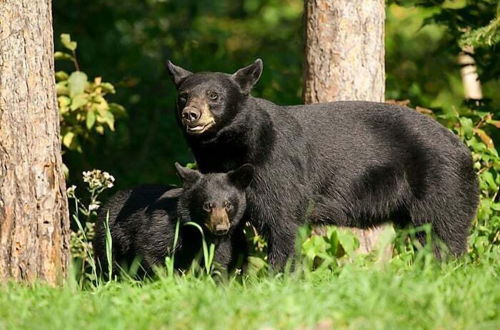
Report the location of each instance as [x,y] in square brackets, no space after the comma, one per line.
[209,101]
[216,201]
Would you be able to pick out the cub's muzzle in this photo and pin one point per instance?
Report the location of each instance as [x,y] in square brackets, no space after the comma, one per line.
[218,221]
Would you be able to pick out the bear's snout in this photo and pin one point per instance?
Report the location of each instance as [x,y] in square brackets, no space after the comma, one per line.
[197,117]
[218,221]
[191,114]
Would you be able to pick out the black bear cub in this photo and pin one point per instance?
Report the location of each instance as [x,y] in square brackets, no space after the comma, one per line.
[346,163]
[142,221]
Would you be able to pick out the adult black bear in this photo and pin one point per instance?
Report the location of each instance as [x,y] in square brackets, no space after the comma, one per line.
[142,221]
[347,163]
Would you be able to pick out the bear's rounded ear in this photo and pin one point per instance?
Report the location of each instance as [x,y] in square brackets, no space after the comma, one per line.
[177,73]
[248,76]
[242,176]
[189,177]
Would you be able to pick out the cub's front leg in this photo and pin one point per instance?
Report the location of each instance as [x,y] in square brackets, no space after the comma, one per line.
[231,252]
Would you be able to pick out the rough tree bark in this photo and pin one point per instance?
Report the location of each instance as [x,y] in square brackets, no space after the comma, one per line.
[34,224]
[344,60]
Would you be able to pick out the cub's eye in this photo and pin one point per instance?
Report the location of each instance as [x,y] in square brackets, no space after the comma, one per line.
[228,205]
[208,206]
[212,95]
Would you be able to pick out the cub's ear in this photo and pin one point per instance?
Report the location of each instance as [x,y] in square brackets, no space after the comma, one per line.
[248,76]
[177,73]
[242,176]
[189,177]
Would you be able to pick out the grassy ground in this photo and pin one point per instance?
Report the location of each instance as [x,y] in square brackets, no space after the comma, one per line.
[456,295]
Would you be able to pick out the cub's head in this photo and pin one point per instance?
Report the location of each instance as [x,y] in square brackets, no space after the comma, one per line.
[208,101]
[216,201]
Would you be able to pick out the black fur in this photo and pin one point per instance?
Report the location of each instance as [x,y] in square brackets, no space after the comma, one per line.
[351,163]
[142,222]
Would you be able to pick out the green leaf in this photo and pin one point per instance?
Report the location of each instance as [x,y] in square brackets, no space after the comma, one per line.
[63,56]
[107,87]
[62,88]
[488,178]
[90,119]
[117,110]
[67,139]
[61,76]
[109,119]
[99,129]
[76,83]
[66,41]
[79,101]
[467,126]
[314,246]
[348,241]
[64,103]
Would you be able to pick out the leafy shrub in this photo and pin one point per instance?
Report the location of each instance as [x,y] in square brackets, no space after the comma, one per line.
[82,103]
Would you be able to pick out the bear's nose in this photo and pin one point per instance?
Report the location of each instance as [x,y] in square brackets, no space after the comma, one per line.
[190,114]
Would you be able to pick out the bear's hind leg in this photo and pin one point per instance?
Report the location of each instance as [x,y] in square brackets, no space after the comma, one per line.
[449,226]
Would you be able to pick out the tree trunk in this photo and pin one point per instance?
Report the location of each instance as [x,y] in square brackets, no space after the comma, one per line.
[34,224]
[344,60]
[470,78]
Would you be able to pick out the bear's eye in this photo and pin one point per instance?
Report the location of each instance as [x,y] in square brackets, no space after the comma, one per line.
[208,206]
[183,98]
[228,205]
[212,95]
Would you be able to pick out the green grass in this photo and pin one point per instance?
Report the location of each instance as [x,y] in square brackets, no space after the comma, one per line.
[425,295]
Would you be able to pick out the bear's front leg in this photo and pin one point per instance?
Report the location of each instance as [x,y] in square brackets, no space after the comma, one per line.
[222,254]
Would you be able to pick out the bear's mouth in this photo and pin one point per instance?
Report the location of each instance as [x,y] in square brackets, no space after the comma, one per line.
[199,128]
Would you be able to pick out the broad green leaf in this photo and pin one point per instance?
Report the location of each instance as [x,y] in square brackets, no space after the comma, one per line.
[314,246]
[79,101]
[333,240]
[348,241]
[66,41]
[90,119]
[488,178]
[109,119]
[76,83]
[467,126]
